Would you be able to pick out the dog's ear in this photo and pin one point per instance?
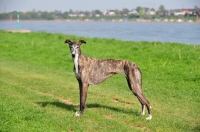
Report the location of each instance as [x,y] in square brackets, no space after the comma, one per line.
[68,41]
[81,42]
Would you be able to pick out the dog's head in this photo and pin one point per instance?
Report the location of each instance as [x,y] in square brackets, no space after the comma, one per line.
[75,46]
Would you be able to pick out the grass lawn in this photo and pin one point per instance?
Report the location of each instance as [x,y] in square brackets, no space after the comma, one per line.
[39,92]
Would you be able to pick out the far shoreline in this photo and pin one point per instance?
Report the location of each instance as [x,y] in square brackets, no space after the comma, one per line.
[107,21]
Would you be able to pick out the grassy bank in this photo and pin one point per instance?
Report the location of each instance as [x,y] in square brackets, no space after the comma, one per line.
[39,92]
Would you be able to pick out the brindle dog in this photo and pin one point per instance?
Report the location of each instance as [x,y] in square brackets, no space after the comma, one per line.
[93,71]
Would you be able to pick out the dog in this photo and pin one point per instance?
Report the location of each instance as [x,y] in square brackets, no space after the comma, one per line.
[93,71]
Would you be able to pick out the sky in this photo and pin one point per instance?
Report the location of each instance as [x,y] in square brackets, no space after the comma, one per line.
[89,5]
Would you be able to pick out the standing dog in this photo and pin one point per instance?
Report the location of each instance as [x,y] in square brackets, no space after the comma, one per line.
[93,71]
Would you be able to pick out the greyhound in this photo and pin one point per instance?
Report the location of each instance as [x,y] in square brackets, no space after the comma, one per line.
[93,71]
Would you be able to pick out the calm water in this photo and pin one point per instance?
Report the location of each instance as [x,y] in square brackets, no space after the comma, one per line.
[188,33]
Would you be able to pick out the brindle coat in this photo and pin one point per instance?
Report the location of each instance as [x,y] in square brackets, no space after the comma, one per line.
[93,71]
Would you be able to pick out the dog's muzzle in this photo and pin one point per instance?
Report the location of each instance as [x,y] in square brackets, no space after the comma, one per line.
[73,55]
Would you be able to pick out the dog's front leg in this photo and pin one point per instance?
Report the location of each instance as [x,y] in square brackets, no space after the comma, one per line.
[83,96]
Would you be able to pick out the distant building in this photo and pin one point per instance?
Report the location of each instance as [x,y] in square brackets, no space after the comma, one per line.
[164,13]
[133,11]
[109,13]
[179,12]
[82,15]
[97,15]
[149,11]
[72,15]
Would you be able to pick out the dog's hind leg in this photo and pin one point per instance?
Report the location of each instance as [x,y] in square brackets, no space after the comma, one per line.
[137,91]
[144,102]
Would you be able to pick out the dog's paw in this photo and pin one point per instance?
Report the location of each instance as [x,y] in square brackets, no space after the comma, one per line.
[149,117]
[78,113]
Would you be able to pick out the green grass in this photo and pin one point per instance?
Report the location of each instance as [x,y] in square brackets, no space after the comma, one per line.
[39,92]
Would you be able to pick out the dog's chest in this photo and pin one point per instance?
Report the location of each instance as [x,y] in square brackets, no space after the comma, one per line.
[76,70]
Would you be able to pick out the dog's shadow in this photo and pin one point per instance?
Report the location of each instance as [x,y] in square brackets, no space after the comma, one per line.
[74,108]
[61,105]
[115,109]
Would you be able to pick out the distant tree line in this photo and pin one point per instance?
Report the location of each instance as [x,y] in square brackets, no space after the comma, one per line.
[29,15]
[125,14]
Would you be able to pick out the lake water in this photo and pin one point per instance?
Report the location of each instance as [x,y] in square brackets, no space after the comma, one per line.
[188,33]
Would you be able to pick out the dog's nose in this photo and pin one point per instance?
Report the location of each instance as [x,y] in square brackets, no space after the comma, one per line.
[73,55]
